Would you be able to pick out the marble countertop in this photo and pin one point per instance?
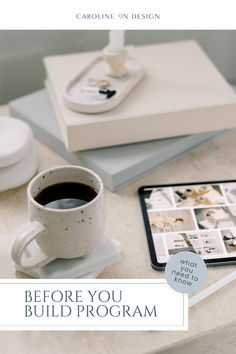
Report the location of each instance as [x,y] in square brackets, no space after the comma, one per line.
[214,161]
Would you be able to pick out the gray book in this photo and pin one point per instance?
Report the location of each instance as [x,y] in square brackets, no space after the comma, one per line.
[116,165]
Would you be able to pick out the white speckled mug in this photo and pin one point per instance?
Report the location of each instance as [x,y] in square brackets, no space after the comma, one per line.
[61,233]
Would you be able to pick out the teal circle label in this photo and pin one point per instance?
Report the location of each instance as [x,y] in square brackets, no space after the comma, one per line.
[185,272]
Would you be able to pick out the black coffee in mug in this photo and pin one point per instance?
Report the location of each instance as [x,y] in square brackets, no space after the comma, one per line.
[66,195]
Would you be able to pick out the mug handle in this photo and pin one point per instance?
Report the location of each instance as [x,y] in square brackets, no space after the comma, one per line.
[26,237]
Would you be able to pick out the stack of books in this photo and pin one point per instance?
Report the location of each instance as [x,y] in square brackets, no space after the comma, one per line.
[182,102]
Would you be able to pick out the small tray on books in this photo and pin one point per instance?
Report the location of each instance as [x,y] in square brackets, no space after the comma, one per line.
[79,95]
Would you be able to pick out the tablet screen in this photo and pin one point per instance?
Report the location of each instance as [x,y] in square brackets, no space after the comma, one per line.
[198,217]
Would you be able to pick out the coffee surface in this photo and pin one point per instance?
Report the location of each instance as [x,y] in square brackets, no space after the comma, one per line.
[66,195]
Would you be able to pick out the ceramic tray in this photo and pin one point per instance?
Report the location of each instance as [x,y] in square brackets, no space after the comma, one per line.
[78,99]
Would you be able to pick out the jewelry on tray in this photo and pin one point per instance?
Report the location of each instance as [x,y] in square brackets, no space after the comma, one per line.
[102,91]
[101,83]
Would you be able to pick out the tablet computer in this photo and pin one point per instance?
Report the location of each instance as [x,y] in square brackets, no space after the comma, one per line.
[198,217]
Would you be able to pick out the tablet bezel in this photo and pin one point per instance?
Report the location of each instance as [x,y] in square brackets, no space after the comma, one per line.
[154,263]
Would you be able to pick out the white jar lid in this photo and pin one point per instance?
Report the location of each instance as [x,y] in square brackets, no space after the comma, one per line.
[15,140]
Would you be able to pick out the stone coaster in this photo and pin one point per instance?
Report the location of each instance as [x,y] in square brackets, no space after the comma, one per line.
[89,266]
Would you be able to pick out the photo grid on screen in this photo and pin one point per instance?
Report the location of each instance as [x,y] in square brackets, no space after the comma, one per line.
[199,218]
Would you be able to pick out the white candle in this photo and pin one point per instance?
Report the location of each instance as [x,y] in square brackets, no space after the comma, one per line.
[116,40]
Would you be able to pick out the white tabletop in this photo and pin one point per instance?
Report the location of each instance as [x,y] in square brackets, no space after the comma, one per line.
[216,160]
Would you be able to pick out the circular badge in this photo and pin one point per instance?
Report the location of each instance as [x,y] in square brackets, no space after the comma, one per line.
[186,272]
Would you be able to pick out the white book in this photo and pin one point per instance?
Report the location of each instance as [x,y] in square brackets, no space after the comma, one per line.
[182,93]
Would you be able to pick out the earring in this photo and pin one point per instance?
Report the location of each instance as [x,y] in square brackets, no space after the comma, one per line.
[101,83]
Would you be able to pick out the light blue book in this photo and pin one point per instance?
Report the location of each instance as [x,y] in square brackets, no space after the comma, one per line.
[116,165]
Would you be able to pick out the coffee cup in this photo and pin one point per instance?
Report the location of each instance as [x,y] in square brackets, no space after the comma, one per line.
[67,215]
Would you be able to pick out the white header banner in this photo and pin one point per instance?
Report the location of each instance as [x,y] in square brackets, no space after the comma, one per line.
[122,14]
[91,305]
